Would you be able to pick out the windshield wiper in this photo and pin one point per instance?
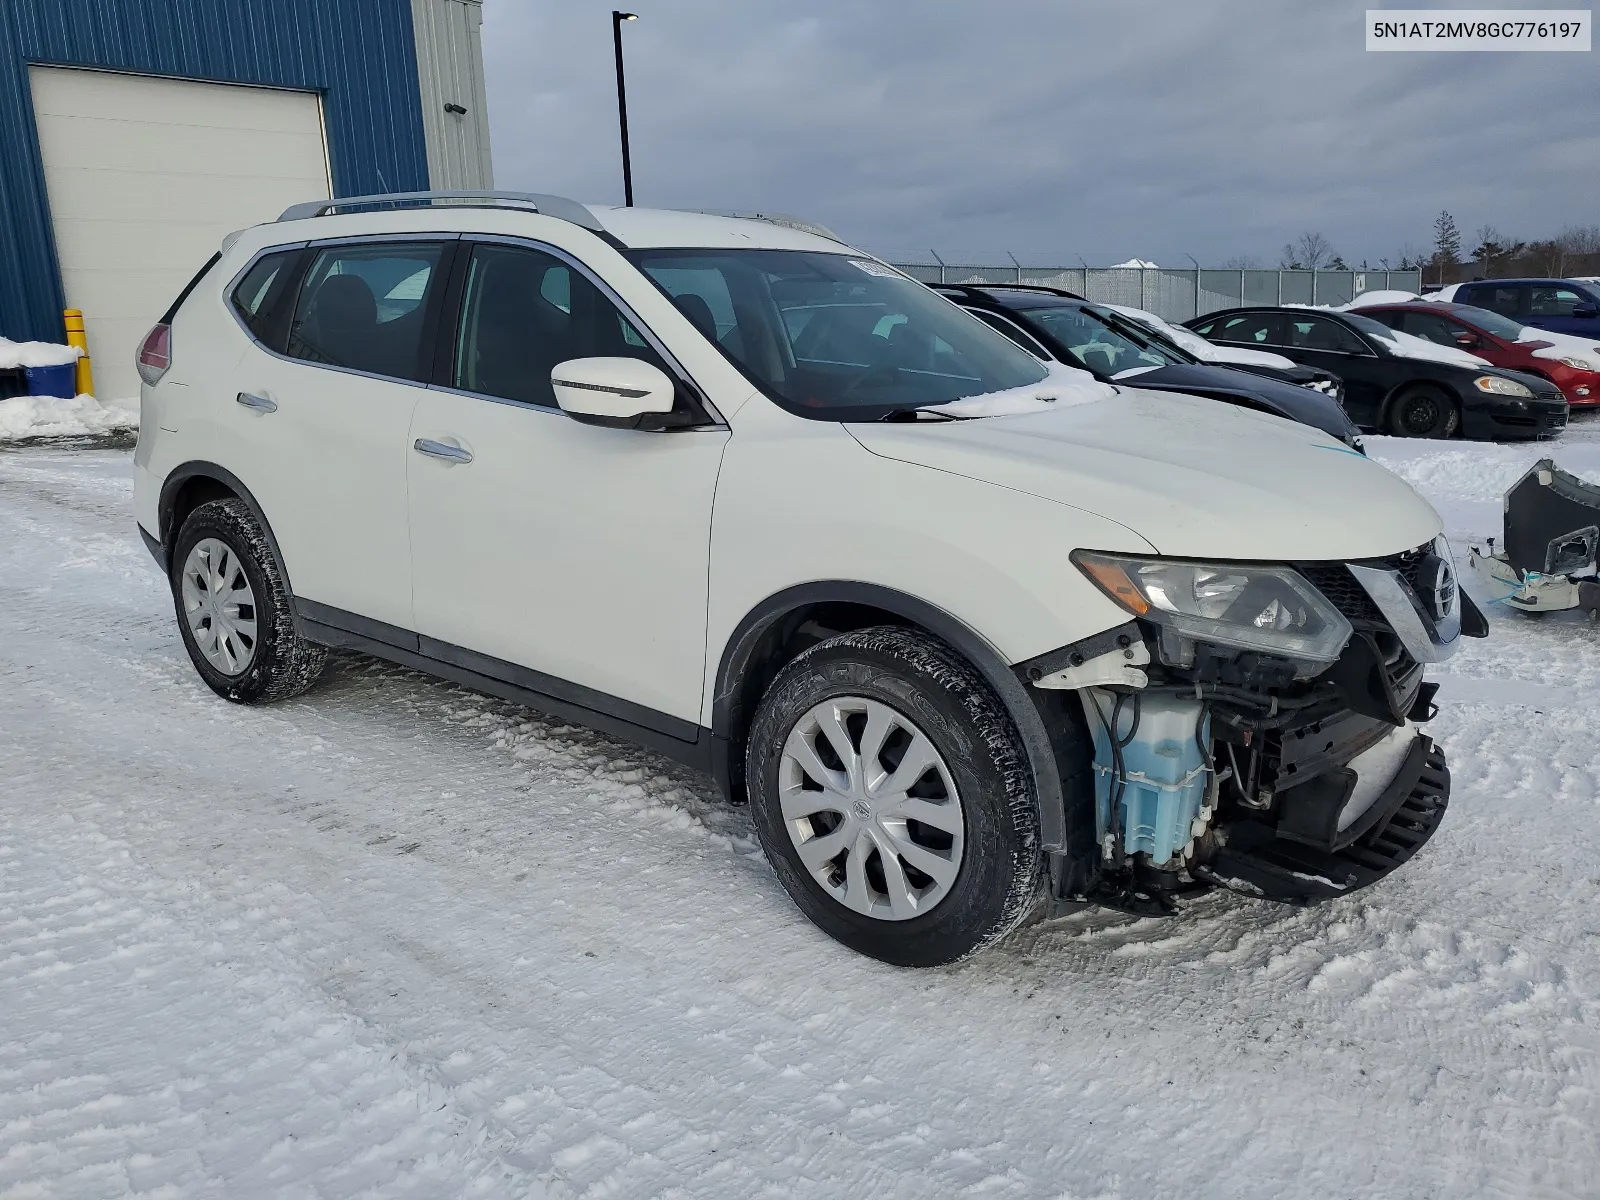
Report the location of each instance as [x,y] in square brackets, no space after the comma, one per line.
[921,414]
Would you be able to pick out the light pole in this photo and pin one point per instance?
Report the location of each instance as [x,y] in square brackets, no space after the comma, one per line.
[617,18]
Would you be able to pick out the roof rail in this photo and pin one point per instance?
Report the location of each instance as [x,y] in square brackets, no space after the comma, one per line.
[550,206]
[784,219]
[1010,287]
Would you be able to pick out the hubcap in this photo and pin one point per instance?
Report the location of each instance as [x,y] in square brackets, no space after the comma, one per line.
[219,606]
[871,808]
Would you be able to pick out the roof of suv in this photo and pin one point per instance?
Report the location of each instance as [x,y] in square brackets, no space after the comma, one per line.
[634,228]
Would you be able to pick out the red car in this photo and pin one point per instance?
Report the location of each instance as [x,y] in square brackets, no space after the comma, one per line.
[1495,339]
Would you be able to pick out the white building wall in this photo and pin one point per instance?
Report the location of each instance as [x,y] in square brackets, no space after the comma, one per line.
[450,72]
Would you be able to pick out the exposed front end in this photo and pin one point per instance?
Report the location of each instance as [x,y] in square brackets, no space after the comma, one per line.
[1258,727]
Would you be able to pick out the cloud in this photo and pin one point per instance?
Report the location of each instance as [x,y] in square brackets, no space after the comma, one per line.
[1049,128]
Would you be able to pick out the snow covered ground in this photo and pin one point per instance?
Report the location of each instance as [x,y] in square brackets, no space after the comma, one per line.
[395,939]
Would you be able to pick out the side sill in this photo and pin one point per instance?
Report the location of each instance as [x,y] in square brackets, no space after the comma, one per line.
[425,654]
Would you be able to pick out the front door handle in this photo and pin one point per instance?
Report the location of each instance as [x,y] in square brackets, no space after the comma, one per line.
[442,450]
[261,404]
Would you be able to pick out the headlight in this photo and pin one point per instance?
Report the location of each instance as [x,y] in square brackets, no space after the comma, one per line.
[1500,386]
[1580,364]
[1270,609]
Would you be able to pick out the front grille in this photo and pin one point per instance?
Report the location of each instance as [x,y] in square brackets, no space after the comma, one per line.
[1335,582]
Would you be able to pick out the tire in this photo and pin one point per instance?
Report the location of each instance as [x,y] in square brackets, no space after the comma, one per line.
[990,835]
[1424,411]
[234,611]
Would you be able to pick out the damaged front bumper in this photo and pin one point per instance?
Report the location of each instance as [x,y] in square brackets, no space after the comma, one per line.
[1340,832]
[1216,767]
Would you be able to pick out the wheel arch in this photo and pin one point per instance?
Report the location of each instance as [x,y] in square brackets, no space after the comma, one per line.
[785,623]
[194,483]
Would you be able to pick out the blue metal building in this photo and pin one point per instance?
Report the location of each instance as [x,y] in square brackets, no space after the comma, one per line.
[397,84]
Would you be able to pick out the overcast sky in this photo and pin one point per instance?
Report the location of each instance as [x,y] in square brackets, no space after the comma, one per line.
[1052,129]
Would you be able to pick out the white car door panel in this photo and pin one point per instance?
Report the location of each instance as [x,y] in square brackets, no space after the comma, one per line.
[323,428]
[575,551]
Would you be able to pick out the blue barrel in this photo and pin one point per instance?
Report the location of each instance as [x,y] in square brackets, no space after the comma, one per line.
[52,381]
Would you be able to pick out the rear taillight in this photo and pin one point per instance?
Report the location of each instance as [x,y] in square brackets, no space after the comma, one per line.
[155,354]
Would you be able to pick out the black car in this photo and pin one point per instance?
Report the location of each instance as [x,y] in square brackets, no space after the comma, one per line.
[1056,325]
[1392,384]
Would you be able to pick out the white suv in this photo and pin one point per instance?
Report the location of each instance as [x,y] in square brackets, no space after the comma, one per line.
[975,637]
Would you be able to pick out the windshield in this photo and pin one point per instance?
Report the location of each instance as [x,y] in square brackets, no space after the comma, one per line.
[835,337]
[1100,342]
[1369,326]
[1493,322]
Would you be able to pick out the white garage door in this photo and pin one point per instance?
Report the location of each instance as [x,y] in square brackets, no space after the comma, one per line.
[147,175]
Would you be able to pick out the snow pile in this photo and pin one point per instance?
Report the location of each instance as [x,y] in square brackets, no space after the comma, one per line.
[1445,295]
[52,416]
[1196,345]
[36,354]
[1381,297]
[1136,264]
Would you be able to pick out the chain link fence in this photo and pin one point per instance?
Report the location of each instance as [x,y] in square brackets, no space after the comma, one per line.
[1175,294]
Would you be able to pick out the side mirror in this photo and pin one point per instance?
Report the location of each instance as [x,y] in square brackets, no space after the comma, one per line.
[1586,311]
[621,393]
[1468,341]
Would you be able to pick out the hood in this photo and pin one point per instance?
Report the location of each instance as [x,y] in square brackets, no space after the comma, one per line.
[1548,343]
[1285,399]
[1194,478]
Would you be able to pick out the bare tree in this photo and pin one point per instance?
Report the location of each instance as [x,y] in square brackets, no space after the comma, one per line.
[1307,252]
[1242,262]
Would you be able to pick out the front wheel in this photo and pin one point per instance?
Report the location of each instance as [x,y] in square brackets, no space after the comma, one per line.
[891,793]
[1424,412]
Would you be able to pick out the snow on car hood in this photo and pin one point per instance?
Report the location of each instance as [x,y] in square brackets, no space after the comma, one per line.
[1062,385]
[1192,477]
[1198,346]
[1560,345]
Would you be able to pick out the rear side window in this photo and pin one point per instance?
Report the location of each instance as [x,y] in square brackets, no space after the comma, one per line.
[523,312]
[362,307]
[259,293]
[1503,300]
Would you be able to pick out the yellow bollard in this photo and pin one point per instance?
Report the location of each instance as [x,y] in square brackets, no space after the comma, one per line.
[75,337]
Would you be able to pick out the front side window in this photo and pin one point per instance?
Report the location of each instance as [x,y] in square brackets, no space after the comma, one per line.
[1432,327]
[1096,342]
[362,307]
[1000,325]
[1316,333]
[1249,329]
[523,312]
[1555,302]
[834,337]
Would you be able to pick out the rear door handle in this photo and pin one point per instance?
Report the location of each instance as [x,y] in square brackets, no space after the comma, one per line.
[442,450]
[261,404]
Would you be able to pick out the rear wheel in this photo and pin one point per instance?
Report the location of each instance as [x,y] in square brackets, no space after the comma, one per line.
[234,609]
[891,794]
[1424,411]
